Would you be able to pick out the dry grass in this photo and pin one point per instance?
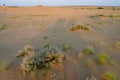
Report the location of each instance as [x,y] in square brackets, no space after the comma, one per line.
[80,55]
[4,66]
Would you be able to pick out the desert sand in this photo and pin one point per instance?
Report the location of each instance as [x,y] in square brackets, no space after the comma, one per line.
[21,24]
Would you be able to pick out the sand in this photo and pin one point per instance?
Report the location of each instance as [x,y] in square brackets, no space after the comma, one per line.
[23,23]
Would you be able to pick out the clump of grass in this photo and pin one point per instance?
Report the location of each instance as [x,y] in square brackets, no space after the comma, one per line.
[103,58]
[80,55]
[41,59]
[4,66]
[66,47]
[2,27]
[81,27]
[92,77]
[89,50]
[88,63]
[117,44]
[47,46]
[45,37]
[100,8]
[108,76]
[113,63]
[31,39]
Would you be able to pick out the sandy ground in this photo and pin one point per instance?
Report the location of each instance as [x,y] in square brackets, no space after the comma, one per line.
[23,23]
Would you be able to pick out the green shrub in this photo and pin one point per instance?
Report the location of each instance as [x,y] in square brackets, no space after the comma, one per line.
[88,50]
[108,76]
[103,58]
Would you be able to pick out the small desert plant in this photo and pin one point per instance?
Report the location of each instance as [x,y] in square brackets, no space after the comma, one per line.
[41,59]
[4,66]
[100,8]
[46,46]
[113,63]
[2,27]
[81,27]
[103,58]
[88,63]
[108,76]
[80,55]
[88,50]
[66,47]
[45,37]
[31,39]
[117,44]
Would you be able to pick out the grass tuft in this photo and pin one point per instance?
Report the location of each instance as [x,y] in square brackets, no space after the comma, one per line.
[103,58]
[66,47]
[2,27]
[89,50]
[88,63]
[80,55]
[108,76]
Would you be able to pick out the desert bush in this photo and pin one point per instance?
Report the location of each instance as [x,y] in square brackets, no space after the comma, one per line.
[100,8]
[91,78]
[108,76]
[66,47]
[41,59]
[103,58]
[88,50]
[81,27]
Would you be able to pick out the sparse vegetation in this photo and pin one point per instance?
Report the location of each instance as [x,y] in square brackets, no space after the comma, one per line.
[117,44]
[81,27]
[88,50]
[41,59]
[66,47]
[80,55]
[109,16]
[103,58]
[108,76]
[31,39]
[13,17]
